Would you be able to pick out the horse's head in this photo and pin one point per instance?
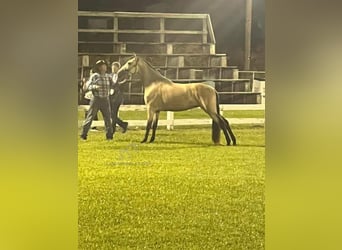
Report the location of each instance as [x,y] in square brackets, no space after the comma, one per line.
[130,67]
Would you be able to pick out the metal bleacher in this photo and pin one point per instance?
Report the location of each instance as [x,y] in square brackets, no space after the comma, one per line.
[180,46]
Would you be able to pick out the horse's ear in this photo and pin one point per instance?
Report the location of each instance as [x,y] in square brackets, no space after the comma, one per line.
[136,58]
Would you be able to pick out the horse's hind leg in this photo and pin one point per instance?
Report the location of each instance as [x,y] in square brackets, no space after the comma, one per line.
[212,109]
[230,131]
[154,126]
[148,125]
[220,121]
[224,128]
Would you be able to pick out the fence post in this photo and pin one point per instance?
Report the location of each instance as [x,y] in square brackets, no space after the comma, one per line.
[169,120]
[221,110]
[162,30]
[115,28]
[205,31]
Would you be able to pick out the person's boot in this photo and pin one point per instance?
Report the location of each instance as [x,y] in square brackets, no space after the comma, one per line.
[109,137]
[124,127]
[83,137]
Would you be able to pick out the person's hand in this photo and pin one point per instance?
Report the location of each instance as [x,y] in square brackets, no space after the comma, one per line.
[111,92]
[95,87]
[95,83]
[123,81]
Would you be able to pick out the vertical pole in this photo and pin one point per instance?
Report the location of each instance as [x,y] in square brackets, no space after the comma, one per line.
[169,120]
[169,48]
[205,31]
[248,30]
[130,89]
[162,30]
[253,75]
[116,28]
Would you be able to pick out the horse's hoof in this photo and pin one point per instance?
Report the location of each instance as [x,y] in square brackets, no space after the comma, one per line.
[143,141]
[234,143]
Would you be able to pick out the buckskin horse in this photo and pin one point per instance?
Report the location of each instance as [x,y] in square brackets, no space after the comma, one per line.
[161,94]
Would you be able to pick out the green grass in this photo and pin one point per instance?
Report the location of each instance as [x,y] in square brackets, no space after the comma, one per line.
[180,192]
[193,113]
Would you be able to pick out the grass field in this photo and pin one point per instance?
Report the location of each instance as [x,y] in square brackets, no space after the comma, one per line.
[180,192]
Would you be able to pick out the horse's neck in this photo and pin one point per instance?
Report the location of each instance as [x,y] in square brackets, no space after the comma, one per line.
[150,75]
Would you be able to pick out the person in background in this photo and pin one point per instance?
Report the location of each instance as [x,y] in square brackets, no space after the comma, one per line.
[116,99]
[100,84]
[88,96]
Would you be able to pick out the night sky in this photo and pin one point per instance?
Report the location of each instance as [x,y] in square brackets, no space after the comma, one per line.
[228,18]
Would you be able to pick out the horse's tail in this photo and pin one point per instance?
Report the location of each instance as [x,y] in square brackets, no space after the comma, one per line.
[215,126]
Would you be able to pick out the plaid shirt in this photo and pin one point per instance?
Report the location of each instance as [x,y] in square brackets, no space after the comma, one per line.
[100,84]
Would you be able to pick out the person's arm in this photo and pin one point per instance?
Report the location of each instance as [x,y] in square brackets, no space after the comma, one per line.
[129,79]
[91,83]
[113,80]
[123,81]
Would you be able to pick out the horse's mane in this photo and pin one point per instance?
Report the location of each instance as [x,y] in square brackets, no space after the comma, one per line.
[148,63]
[154,69]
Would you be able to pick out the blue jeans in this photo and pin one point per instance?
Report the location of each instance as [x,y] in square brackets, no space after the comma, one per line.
[115,101]
[96,104]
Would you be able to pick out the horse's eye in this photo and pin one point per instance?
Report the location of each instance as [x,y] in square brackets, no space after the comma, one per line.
[129,63]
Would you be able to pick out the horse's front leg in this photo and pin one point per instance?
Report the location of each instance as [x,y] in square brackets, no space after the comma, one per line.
[150,115]
[154,126]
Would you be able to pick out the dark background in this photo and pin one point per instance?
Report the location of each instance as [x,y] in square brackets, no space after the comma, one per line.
[228,19]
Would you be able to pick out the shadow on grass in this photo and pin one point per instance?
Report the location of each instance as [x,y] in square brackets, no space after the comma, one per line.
[187,143]
[169,145]
[251,145]
[155,146]
[161,142]
[172,145]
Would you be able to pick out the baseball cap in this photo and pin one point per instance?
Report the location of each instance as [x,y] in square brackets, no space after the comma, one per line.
[100,62]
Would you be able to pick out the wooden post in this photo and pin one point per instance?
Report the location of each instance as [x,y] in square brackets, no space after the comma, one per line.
[162,30]
[181,61]
[169,49]
[130,90]
[212,49]
[115,28]
[223,61]
[205,31]
[123,48]
[235,73]
[85,61]
[170,120]
[253,77]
